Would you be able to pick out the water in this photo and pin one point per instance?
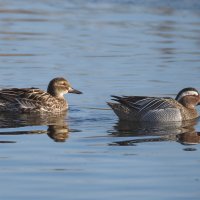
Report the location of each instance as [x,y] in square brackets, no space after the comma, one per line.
[103,48]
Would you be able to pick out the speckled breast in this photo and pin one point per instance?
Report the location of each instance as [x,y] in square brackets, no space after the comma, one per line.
[163,115]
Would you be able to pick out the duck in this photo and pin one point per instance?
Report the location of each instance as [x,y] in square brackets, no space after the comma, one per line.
[157,109]
[26,100]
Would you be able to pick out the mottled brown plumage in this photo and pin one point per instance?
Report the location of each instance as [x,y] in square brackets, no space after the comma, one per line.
[36,100]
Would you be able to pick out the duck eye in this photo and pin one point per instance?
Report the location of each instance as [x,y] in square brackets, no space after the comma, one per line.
[63,83]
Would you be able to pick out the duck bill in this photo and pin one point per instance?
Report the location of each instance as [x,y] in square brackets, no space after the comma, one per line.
[72,90]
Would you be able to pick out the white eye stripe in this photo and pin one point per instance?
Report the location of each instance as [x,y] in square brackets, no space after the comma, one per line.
[186,94]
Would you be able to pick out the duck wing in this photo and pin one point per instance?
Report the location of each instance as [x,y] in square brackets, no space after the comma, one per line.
[144,103]
[25,97]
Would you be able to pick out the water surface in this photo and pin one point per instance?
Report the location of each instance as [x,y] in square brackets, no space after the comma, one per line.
[103,48]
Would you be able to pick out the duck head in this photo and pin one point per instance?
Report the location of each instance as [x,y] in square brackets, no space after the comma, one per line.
[60,86]
[189,97]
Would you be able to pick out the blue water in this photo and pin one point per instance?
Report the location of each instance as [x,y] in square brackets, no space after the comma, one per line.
[147,47]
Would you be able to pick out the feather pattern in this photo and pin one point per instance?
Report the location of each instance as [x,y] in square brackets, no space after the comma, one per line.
[144,103]
[36,100]
[28,99]
[157,109]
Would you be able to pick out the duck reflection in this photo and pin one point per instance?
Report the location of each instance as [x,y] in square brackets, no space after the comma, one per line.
[59,133]
[182,132]
[57,127]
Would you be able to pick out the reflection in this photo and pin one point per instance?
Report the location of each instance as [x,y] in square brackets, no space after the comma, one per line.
[182,132]
[5,142]
[57,127]
[189,138]
[165,30]
[59,133]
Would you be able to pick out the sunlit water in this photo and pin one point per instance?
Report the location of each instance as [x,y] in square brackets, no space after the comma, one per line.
[103,48]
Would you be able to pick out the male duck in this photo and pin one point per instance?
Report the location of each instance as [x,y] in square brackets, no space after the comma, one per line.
[157,109]
[35,100]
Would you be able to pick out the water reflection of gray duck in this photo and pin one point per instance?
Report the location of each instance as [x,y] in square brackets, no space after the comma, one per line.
[157,109]
[190,138]
[128,128]
[36,100]
[182,132]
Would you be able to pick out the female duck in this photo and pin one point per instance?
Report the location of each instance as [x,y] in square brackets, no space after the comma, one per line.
[36,100]
[157,109]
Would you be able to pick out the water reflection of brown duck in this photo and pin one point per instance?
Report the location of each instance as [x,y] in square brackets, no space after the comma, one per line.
[57,127]
[59,133]
[183,132]
[14,120]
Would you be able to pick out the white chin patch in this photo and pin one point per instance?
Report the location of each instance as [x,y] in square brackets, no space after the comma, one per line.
[187,93]
[70,89]
[62,94]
